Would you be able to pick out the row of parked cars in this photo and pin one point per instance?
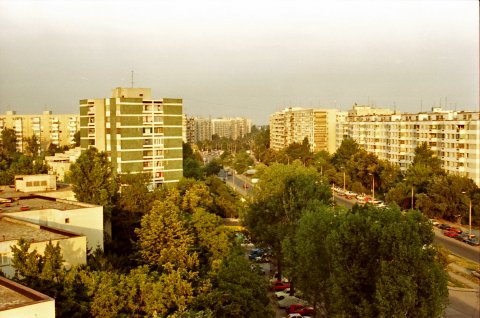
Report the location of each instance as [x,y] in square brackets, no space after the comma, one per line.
[293,304]
[360,198]
[456,233]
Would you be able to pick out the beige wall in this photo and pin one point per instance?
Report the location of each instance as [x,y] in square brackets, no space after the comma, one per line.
[44,309]
[87,221]
[33,183]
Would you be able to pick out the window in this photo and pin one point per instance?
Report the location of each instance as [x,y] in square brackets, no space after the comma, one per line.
[67,220]
[4,259]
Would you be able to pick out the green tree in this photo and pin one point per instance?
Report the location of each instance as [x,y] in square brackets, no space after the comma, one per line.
[242,162]
[283,193]
[76,138]
[239,290]
[384,265]
[347,149]
[307,256]
[9,142]
[93,179]
[32,146]
[213,167]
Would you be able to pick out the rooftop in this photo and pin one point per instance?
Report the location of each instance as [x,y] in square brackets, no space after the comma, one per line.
[12,229]
[15,295]
[14,201]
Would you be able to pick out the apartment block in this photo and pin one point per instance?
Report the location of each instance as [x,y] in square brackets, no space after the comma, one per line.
[200,129]
[293,124]
[138,133]
[454,137]
[57,129]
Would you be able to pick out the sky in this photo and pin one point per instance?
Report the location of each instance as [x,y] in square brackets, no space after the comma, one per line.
[241,58]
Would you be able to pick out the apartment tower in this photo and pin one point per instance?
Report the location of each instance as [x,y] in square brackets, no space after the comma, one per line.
[138,133]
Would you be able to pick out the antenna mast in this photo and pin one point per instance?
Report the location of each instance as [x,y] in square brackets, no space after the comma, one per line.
[132,79]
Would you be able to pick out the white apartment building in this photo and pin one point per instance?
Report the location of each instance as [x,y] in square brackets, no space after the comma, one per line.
[57,129]
[454,136]
[293,124]
[199,129]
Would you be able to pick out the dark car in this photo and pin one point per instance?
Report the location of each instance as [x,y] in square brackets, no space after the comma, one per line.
[461,237]
[444,226]
[256,253]
[473,241]
[450,234]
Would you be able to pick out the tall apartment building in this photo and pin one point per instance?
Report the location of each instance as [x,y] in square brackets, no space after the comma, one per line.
[294,124]
[454,136]
[138,133]
[57,129]
[199,129]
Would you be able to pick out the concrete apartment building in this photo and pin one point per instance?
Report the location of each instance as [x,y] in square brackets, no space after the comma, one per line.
[138,133]
[20,301]
[454,136]
[293,124]
[200,129]
[57,129]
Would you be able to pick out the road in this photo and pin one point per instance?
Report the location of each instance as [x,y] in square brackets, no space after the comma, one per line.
[238,183]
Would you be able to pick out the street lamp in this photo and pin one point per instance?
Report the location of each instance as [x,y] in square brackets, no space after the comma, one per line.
[343,178]
[373,186]
[469,215]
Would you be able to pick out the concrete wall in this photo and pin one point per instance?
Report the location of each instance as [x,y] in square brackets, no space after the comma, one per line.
[45,309]
[87,221]
[35,183]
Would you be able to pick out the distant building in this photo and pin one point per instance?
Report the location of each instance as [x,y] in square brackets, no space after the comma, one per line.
[59,164]
[294,124]
[18,301]
[35,182]
[200,129]
[57,129]
[454,136]
[74,246]
[138,133]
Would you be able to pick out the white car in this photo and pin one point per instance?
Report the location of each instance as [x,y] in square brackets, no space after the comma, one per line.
[282,294]
[296,315]
[290,300]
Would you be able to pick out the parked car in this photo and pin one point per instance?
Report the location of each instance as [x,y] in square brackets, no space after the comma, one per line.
[443,226]
[454,229]
[300,309]
[296,315]
[450,234]
[473,241]
[256,253]
[279,285]
[290,300]
[461,237]
[435,222]
[282,294]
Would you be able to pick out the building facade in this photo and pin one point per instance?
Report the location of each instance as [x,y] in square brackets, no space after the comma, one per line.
[138,133]
[454,137]
[293,124]
[57,129]
[200,129]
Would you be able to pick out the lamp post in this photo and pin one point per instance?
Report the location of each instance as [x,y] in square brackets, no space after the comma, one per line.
[469,215]
[373,186]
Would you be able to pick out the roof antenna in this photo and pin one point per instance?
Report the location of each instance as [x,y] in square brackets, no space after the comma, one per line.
[132,79]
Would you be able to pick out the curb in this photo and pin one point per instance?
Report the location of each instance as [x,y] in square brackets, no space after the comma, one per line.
[463,289]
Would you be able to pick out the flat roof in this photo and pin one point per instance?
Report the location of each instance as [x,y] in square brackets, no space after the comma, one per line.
[14,295]
[13,201]
[12,229]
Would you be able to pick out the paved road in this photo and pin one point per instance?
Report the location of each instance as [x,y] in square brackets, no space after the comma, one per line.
[459,248]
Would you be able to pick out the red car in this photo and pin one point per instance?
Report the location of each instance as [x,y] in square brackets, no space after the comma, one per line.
[450,234]
[454,229]
[300,309]
[279,285]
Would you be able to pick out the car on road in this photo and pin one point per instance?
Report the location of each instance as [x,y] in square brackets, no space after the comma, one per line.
[434,222]
[473,241]
[282,294]
[461,237]
[450,234]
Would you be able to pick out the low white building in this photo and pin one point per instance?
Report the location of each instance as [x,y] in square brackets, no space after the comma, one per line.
[74,246]
[35,183]
[18,301]
[77,217]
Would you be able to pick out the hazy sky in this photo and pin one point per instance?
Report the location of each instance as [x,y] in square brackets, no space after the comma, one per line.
[241,58]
